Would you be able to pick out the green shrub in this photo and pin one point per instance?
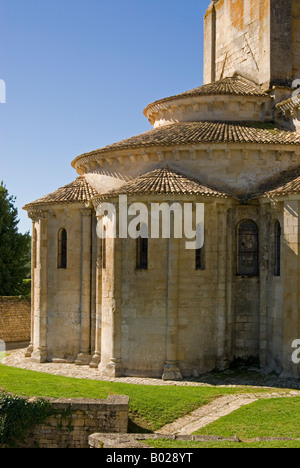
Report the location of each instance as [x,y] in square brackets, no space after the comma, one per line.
[18,415]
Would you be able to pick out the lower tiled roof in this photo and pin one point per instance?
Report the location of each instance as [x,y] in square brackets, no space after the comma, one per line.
[286,183]
[78,191]
[164,181]
[289,105]
[191,133]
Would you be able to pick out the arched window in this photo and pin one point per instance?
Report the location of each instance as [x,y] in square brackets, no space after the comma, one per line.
[247,264]
[62,249]
[277,248]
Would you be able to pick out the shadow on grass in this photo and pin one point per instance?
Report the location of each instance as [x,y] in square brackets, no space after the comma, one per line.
[138,426]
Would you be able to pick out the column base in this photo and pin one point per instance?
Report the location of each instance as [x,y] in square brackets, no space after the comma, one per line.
[294,373]
[171,371]
[222,363]
[83,359]
[94,364]
[39,356]
[29,351]
[112,369]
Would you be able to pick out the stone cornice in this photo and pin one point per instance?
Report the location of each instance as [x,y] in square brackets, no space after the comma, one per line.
[97,162]
[194,105]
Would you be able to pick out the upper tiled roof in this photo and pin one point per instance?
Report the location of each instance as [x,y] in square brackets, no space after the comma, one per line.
[234,86]
[191,133]
[164,181]
[78,191]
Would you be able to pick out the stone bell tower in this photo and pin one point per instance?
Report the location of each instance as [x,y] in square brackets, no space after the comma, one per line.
[258,39]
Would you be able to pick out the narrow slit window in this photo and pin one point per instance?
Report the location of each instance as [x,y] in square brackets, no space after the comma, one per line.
[199,259]
[248,249]
[142,248]
[277,249]
[62,249]
[104,252]
[142,253]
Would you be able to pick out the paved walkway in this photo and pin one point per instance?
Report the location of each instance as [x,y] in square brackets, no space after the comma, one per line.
[229,378]
[216,409]
[17,359]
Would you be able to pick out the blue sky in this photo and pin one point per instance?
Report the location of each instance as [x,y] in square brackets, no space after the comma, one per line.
[78,75]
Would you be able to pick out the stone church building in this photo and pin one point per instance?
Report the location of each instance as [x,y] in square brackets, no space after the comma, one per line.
[149,306]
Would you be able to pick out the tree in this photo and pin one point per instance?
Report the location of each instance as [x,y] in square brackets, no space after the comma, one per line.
[15,249]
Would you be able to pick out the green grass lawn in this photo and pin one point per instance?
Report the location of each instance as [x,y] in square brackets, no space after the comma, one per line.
[278,417]
[177,444]
[151,407]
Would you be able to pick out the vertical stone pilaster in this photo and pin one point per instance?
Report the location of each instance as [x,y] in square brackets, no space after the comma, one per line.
[210,44]
[84,356]
[94,256]
[291,322]
[230,304]
[171,369]
[264,249]
[281,42]
[97,353]
[222,336]
[111,334]
[39,353]
[29,349]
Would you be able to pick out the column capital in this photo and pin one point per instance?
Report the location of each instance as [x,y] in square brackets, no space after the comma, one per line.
[37,215]
[86,212]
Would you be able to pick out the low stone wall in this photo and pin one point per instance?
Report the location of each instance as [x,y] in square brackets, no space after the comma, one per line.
[15,319]
[76,420]
[142,441]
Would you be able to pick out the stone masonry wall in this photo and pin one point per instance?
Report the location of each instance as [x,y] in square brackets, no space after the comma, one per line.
[258,39]
[233,39]
[76,420]
[15,319]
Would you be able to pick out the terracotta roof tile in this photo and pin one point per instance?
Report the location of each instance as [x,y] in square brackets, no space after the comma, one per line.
[164,181]
[234,86]
[78,191]
[289,105]
[191,133]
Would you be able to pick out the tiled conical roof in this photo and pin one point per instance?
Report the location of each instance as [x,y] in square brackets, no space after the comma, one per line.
[78,191]
[191,133]
[164,181]
[234,86]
